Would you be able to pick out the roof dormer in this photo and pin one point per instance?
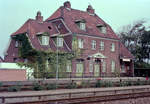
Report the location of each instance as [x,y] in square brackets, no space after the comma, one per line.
[67,5]
[39,18]
[90,10]
[81,24]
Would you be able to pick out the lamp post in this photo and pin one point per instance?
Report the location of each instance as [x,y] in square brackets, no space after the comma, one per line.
[57,60]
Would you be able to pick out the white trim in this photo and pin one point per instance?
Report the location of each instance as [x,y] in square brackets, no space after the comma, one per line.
[67,45]
[30,40]
[97,37]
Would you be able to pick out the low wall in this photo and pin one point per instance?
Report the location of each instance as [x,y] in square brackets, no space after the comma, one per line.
[12,75]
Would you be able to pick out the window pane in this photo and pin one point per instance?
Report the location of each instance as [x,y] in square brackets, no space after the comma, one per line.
[68,66]
[82,26]
[112,47]
[101,45]
[93,44]
[113,66]
[45,40]
[60,42]
[90,66]
[80,43]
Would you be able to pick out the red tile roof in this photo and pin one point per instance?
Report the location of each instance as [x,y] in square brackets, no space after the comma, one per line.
[70,16]
[32,27]
[124,52]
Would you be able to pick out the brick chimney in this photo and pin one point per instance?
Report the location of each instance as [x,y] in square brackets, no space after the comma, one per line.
[39,18]
[90,10]
[67,5]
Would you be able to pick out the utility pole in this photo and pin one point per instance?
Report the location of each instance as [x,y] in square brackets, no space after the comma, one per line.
[57,60]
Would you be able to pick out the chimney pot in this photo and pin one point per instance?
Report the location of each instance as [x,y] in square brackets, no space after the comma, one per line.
[39,18]
[67,4]
[90,10]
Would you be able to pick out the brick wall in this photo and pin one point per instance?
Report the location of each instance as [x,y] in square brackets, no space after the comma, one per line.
[12,75]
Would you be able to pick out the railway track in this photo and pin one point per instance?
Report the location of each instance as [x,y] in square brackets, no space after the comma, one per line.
[93,99]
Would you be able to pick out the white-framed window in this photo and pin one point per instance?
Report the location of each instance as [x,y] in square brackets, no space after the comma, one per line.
[45,40]
[80,43]
[90,66]
[113,47]
[104,66]
[68,66]
[93,44]
[79,68]
[60,42]
[82,26]
[16,44]
[101,45]
[113,66]
[102,29]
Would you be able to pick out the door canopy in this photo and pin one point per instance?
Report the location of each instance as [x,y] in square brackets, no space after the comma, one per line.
[98,55]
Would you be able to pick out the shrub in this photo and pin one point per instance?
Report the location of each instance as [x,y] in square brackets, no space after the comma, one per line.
[85,84]
[37,87]
[99,83]
[71,85]
[14,88]
[51,86]
[108,84]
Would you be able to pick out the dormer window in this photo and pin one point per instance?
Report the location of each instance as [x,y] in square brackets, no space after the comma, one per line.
[60,42]
[81,24]
[102,28]
[44,39]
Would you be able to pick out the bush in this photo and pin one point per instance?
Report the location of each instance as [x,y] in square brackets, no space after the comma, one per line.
[99,83]
[85,84]
[37,87]
[71,85]
[108,84]
[14,88]
[51,86]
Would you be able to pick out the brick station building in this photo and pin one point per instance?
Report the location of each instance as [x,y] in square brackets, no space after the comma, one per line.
[103,53]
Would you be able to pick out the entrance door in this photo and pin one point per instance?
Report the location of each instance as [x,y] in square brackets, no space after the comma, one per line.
[96,70]
[79,70]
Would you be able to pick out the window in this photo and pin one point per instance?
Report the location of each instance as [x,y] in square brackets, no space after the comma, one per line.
[93,44]
[104,66]
[59,42]
[80,43]
[79,69]
[16,44]
[101,45]
[102,28]
[113,47]
[68,66]
[82,25]
[112,66]
[90,66]
[44,40]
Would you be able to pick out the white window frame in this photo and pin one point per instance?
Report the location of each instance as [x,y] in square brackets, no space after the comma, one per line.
[60,42]
[113,66]
[101,45]
[90,66]
[113,47]
[45,40]
[80,43]
[82,26]
[93,44]
[68,66]
[16,44]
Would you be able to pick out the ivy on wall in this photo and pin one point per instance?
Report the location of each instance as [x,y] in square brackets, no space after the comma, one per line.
[44,62]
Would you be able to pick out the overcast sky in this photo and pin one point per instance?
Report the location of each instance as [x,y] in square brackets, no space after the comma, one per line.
[117,13]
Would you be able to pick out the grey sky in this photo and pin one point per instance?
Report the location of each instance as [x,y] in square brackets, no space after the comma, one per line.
[13,13]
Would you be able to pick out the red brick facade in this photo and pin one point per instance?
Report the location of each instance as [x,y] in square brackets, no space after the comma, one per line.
[65,21]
